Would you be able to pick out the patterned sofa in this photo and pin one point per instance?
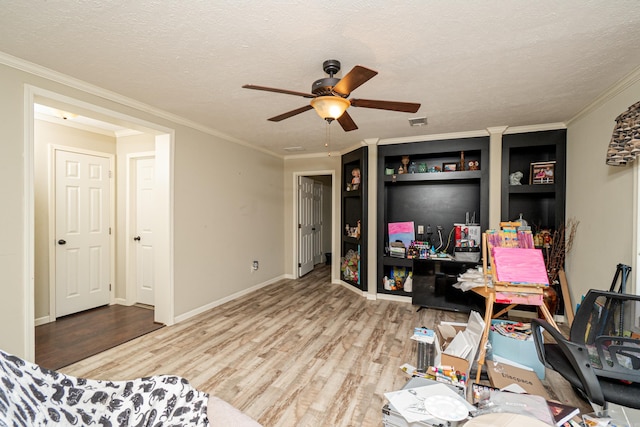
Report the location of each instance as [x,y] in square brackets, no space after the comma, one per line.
[32,396]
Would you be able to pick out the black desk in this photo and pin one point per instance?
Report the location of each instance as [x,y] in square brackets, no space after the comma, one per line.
[432,286]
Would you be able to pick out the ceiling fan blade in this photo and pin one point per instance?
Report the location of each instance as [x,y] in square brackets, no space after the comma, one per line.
[285,91]
[347,122]
[406,107]
[354,78]
[290,113]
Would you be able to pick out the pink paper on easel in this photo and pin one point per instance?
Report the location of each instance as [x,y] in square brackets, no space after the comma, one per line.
[518,265]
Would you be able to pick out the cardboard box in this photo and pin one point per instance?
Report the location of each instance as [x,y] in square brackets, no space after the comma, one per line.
[458,363]
[502,375]
[473,328]
[520,351]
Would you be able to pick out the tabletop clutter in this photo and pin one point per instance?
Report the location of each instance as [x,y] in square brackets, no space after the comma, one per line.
[439,391]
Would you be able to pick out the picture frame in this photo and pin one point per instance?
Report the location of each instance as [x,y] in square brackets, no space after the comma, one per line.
[542,172]
[450,167]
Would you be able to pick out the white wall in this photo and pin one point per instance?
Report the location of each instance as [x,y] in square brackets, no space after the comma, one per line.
[229,211]
[14,308]
[228,207]
[601,197]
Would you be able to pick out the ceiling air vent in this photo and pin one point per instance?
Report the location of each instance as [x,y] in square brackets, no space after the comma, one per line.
[418,121]
[292,149]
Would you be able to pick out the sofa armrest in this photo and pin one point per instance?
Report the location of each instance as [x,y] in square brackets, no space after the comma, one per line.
[222,414]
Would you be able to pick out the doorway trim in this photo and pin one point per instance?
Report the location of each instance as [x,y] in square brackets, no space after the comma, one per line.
[51,183]
[294,223]
[164,146]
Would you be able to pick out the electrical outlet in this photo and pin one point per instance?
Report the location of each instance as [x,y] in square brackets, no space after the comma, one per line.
[255,265]
[421,229]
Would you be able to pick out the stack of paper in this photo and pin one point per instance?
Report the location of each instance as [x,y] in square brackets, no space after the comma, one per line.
[413,404]
[423,335]
[459,346]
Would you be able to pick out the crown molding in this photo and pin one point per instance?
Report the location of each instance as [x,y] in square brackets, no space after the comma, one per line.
[435,137]
[617,88]
[499,130]
[314,155]
[55,76]
[535,128]
[371,141]
[353,147]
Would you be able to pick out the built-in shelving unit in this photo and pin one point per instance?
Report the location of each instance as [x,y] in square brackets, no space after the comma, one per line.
[429,196]
[541,205]
[354,209]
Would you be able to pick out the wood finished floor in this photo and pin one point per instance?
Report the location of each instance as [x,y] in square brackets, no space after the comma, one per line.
[296,353]
[78,336]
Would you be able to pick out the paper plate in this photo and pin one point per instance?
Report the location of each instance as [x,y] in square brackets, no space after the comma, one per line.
[446,408]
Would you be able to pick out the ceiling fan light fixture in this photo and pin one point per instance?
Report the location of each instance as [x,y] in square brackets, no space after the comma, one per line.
[330,107]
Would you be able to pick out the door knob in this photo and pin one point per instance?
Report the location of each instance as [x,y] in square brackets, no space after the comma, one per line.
[137,238]
[62,242]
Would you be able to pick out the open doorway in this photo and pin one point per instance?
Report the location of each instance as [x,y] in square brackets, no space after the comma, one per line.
[314,221]
[155,140]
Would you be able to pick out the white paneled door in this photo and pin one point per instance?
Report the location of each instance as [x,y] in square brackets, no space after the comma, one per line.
[143,239]
[305,225]
[317,222]
[82,221]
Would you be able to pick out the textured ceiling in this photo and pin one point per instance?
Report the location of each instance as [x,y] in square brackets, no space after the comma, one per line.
[471,65]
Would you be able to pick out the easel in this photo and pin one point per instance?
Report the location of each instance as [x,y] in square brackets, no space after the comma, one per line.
[489,294]
[624,270]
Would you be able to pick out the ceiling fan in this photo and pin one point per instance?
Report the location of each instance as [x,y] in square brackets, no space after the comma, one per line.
[329,96]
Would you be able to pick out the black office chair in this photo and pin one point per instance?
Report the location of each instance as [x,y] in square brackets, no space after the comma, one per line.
[599,359]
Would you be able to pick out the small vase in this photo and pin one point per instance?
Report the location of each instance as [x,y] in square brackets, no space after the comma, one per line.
[550,300]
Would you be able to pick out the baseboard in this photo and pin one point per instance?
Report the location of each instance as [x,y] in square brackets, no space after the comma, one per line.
[350,287]
[231,297]
[47,319]
[399,298]
[42,320]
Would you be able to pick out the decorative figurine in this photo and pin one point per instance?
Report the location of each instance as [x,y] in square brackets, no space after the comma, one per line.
[355,181]
[404,167]
[474,165]
[514,178]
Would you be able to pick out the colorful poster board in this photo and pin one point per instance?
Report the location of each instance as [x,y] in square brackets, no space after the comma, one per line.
[403,232]
[520,266]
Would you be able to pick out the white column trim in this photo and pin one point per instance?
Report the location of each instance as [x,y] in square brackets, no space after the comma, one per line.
[495,186]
